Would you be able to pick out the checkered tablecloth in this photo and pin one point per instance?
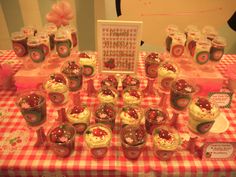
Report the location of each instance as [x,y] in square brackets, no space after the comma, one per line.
[19,157]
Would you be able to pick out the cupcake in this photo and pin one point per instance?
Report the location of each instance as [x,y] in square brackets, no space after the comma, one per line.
[107,95]
[88,63]
[181,94]
[167,72]
[132,96]
[110,81]
[202,115]
[97,138]
[133,140]
[154,116]
[152,62]
[165,142]
[106,114]
[74,74]
[79,117]
[61,139]
[57,89]
[130,115]
[130,81]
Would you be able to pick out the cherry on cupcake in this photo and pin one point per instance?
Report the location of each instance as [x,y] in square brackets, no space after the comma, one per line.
[169,66]
[83,55]
[164,134]
[77,109]
[58,78]
[204,104]
[33,99]
[132,112]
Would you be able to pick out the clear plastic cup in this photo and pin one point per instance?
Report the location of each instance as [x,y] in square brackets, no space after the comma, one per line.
[110,81]
[36,49]
[133,140]
[106,114]
[166,140]
[177,45]
[98,138]
[32,105]
[61,139]
[155,116]
[89,63]
[19,44]
[170,30]
[130,81]
[132,96]
[202,114]
[152,61]
[107,95]
[202,51]
[217,48]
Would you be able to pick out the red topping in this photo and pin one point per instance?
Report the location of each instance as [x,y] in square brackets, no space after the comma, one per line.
[134,93]
[72,65]
[164,134]
[83,55]
[107,91]
[152,114]
[112,78]
[58,78]
[132,112]
[181,84]
[204,104]
[169,66]
[33,99]
[77,110]
[99,132]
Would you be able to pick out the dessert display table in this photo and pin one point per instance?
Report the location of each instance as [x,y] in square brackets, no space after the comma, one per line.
[19,157]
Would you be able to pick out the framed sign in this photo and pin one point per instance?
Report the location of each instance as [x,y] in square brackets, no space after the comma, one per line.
[118,46]
[222,99]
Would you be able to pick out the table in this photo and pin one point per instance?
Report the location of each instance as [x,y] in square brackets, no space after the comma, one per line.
[19,157]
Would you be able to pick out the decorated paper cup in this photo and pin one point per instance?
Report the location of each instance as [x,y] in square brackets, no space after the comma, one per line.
[36,49]
[170,30]
[133,140]
[98,138]
[165,142]
[57,88]
[74,73]
[152,61]
[217,48]
[106,114]
[19,44]
[202,115]
[79,117]
[61,139]
[154,116]
[132,96]
[32,105]
[107,95]
[181,94]
[130,115]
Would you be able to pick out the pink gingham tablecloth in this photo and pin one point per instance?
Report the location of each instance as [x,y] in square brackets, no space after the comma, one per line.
[19,157]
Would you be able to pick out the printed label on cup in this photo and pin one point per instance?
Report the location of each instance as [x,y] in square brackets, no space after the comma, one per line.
[219,151]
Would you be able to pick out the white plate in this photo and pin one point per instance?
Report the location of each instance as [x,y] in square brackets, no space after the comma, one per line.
[221,124]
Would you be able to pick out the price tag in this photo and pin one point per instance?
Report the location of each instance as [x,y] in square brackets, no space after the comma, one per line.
[219,151]
[118,46]
[222,99]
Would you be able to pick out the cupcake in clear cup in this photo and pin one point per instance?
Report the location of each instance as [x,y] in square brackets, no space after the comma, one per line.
[181,93]
[132,96]
[88,63]
[189,29]
[107,95]
[74,73]
[133,140]
[98,138]
[43,36]
[29,30]
[193,37]
[106,114]
[217,48]
[166,140]
[130,115]
[19,44]
[167,72]
[57,89]
[152,61]
[36,49]
[61,139]
[202,114]
[110,81]
[130,81]
[79,117]
[51,29]
[32,105]
[154,116]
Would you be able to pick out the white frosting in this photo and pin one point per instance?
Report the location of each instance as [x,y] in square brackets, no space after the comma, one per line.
[164,144]
[87,61]
[127,119]
[53,86]
[82,117]
[97,141]
[107,98]
[129,99]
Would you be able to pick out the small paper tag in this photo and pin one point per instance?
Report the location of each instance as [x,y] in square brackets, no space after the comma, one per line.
[219,151]
[222,99]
